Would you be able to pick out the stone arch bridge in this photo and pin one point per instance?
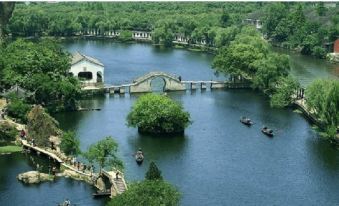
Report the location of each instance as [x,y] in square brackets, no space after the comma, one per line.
[162,82]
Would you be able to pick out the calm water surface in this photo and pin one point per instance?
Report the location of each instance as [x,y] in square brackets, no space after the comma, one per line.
[218,161]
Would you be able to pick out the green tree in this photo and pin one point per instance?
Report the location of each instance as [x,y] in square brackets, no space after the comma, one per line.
[104,153]
[269,70]
[40,126]
[153,113]
[70,144]
[148,193]
[8,132]
[323,97]
[153,172]
[41,68]
[6,10]
[18,109]
[284,92]
[240,56]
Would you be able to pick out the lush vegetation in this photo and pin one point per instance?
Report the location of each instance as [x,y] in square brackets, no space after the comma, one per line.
[306,27]
[153,172]
[154,113]
[10,149]
[41,126]
[70,144]
[323,98]
[104,153]
[7,132]
[42,69]
[248,57]
[18,109]
[152,191]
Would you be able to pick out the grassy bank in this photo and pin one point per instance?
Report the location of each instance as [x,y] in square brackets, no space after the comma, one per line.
[10,149]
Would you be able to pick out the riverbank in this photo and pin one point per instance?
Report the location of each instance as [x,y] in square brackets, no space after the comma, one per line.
[8,149]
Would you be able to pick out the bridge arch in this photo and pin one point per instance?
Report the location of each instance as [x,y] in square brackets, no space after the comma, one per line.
[155,82]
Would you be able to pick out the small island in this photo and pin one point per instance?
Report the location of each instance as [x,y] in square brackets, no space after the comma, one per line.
[158,114]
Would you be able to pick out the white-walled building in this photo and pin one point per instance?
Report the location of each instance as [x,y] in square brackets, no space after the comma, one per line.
[87,69]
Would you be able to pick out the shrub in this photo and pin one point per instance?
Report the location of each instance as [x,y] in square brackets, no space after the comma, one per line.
[150,193]
[18,109]
[7,132]
[153,172]
[153,113]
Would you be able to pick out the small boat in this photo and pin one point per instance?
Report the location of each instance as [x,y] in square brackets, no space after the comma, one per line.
[267,131]
[139,156]
[246,121]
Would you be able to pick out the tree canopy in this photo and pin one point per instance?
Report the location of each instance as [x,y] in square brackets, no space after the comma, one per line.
[104,153]
[70,144]
[154,113]
[148,193]
[153,172]
[323,97]
[41,68]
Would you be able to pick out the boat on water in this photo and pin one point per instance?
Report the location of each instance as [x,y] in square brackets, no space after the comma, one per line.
[139,156]
[246,121]
[267,131]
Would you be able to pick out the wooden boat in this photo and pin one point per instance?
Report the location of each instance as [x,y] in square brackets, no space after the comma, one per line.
[267,131]
[139,157]
[246,121]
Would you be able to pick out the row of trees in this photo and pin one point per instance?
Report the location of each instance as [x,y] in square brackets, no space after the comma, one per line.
[47,19]
[302,26]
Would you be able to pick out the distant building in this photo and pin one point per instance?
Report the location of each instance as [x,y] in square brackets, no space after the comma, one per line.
[141,35]
[88,69]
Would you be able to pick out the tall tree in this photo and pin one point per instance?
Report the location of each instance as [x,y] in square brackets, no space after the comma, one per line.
[6,10]
[153,172]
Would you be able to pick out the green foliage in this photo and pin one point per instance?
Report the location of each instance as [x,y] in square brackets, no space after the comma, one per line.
[18,109]
[7,132]
[270,70]
[148,193]
[125,36]
[40,126]
[283,94]
[155,113]
[41,68]
[299,26]
[104,153]
[70,144]
[10,149]
[240,57]
[153,172]
[323,97]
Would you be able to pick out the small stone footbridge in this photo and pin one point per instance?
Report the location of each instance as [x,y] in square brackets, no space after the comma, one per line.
[107,182]
[163,82]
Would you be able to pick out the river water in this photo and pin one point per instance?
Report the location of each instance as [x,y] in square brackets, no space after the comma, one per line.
[218,161]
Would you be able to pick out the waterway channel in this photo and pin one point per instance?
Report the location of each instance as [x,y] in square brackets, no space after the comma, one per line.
[218,161]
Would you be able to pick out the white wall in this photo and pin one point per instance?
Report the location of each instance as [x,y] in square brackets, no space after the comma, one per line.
[90,67]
